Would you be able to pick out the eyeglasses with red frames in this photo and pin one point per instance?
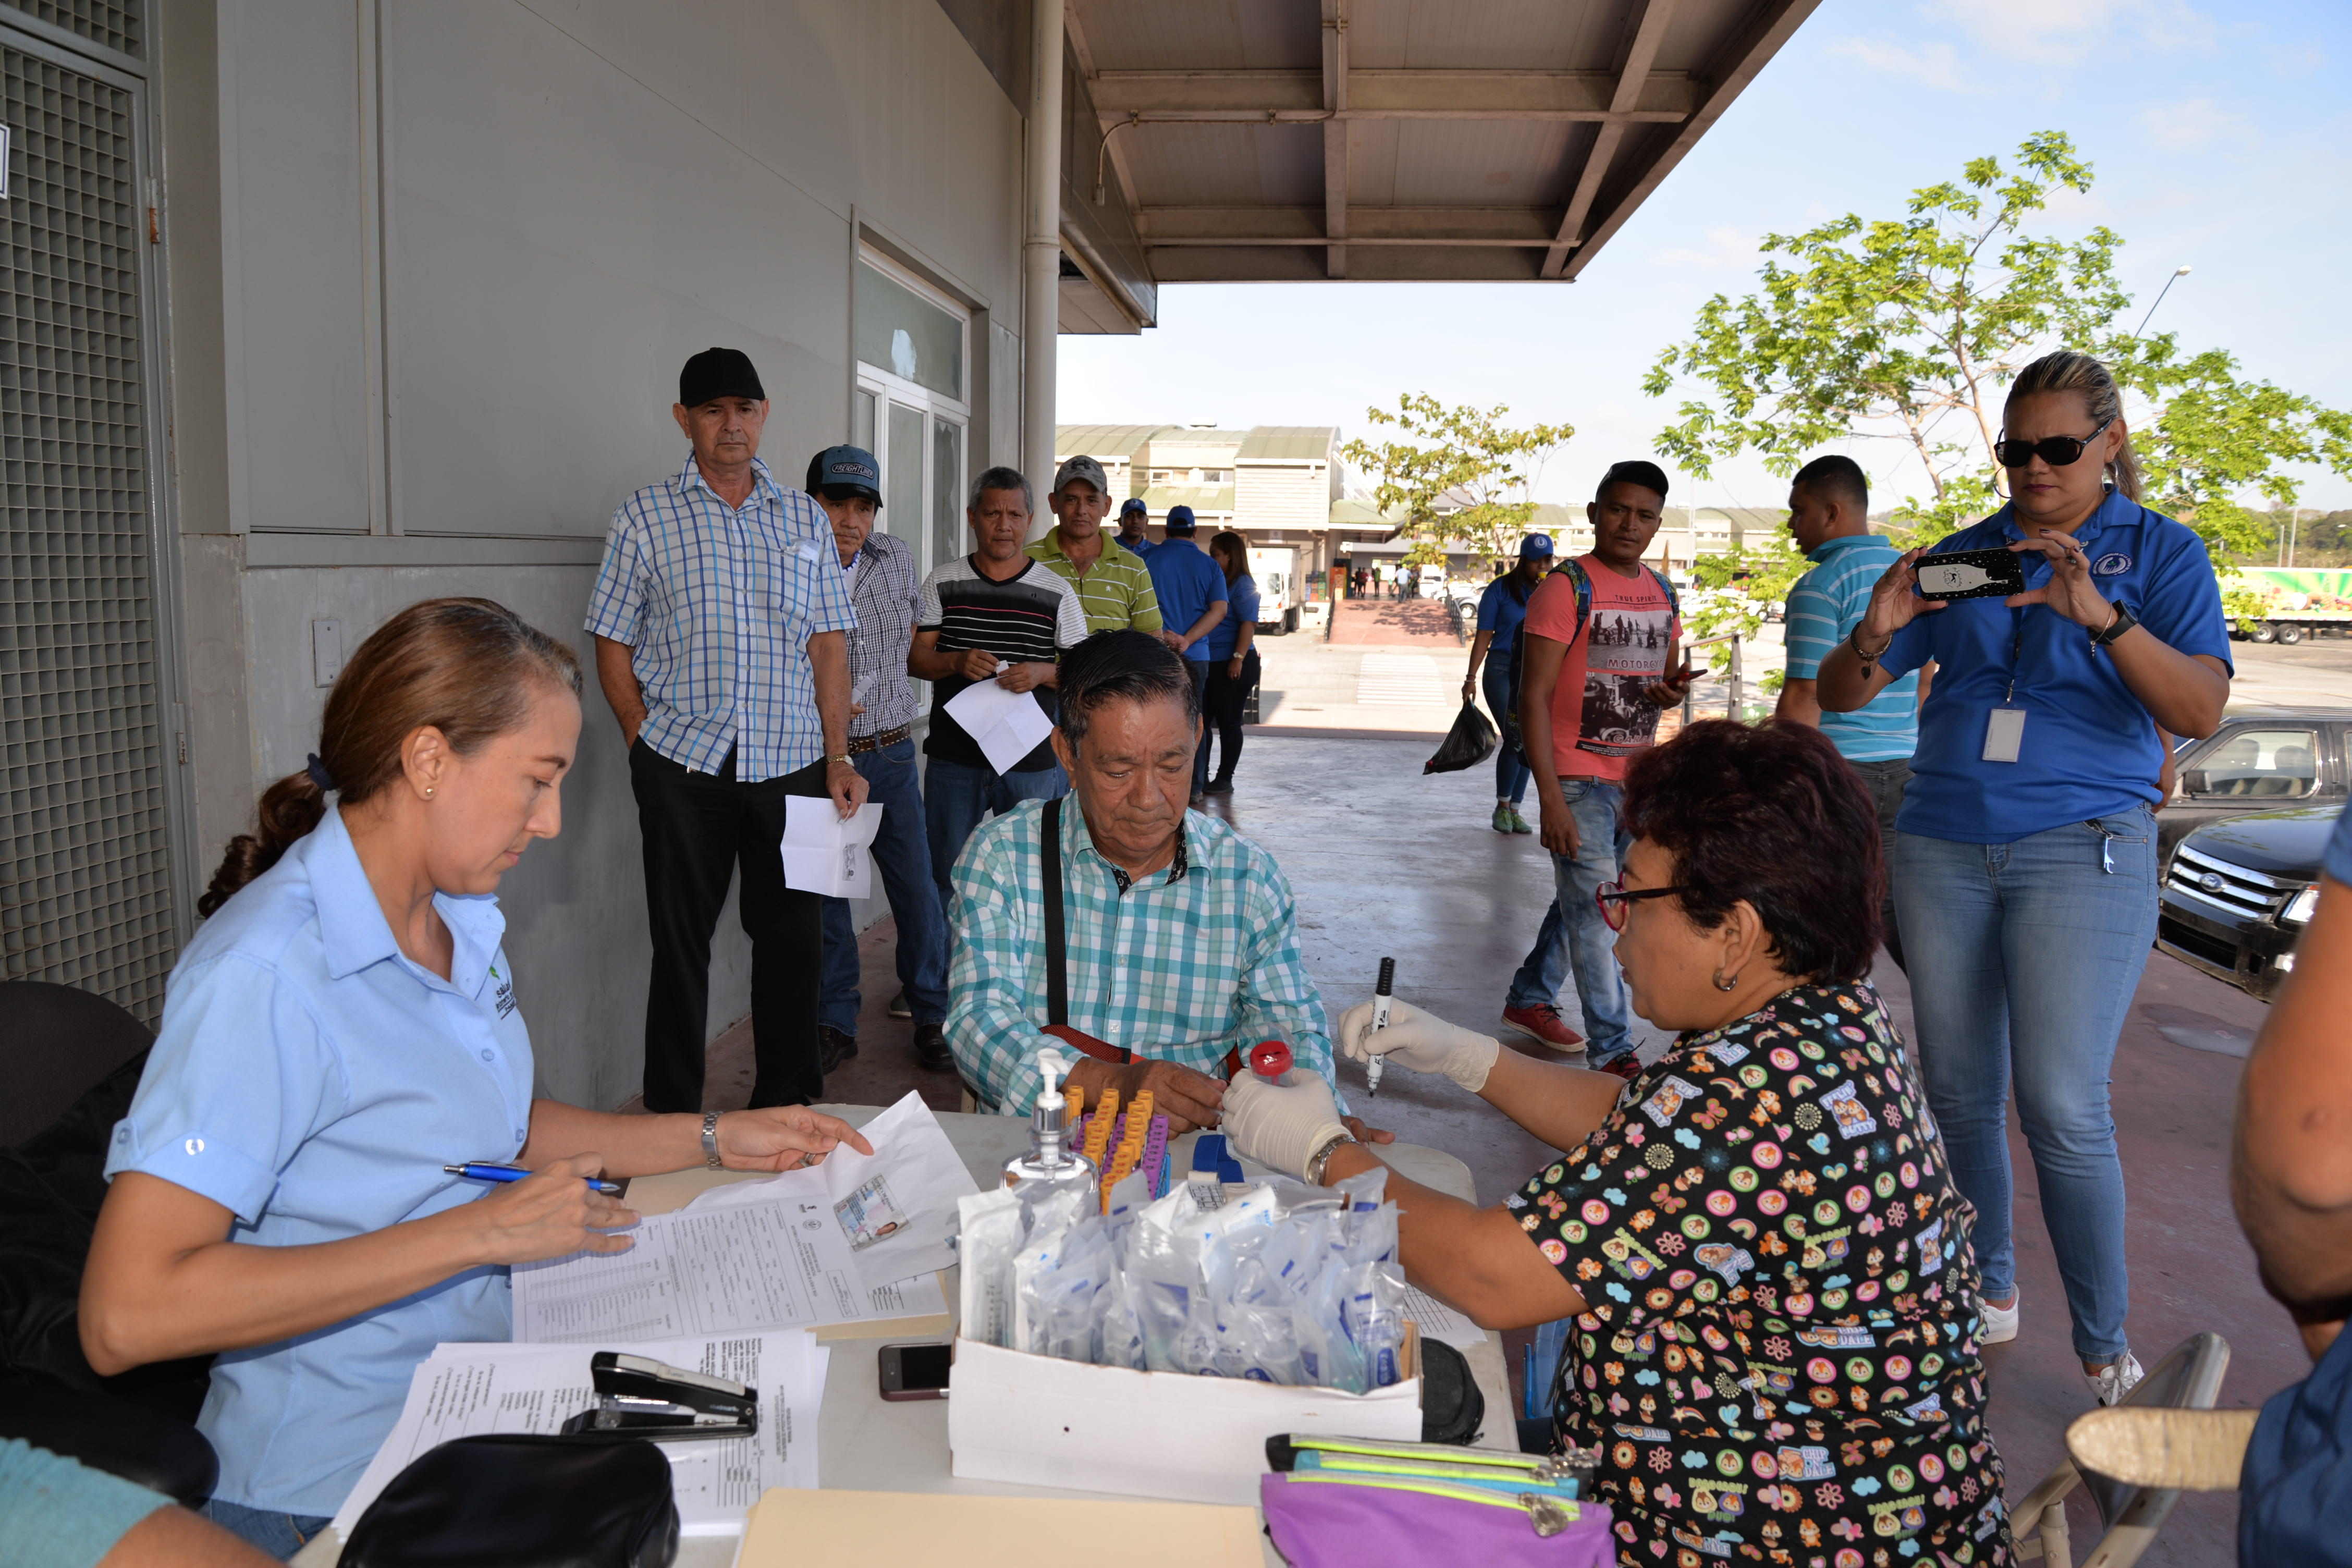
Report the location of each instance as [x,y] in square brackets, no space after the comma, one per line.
[1612,898]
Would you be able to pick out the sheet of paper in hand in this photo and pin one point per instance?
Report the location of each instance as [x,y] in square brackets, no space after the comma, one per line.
[824,853]
[1005,725]
[895,1206]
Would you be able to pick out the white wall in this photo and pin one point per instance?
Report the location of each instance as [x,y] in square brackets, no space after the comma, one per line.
[449,389]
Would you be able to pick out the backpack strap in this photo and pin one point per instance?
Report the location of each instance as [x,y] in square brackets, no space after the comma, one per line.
[1057,958]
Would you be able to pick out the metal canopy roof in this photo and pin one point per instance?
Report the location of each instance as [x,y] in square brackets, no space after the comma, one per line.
[1294,140]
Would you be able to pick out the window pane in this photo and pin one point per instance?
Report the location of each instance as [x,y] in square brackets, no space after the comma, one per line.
[947,490]
[902,477]
[861,421]
[902,332]
[2272,764]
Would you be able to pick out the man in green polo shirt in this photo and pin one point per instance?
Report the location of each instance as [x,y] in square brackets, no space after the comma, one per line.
[1114,586]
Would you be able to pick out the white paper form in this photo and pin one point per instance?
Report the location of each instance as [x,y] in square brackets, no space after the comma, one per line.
[1437,1321]
[462,1390]
[1006,725]
[825,853]
[896,1206]
[711,1271]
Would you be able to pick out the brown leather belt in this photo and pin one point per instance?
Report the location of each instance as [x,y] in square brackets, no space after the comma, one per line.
[860,744]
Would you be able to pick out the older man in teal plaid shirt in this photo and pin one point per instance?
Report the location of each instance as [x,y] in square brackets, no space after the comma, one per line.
[1183,944]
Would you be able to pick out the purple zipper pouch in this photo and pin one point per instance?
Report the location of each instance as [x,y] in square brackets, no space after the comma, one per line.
[1337,1525]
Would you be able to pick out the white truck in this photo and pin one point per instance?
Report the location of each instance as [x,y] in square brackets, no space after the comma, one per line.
[1275,569]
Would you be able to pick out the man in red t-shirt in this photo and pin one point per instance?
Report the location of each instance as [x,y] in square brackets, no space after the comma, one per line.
[1598,668]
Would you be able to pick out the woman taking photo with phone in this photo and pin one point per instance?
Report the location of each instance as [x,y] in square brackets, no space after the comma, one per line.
[343,1026]
[2026,850]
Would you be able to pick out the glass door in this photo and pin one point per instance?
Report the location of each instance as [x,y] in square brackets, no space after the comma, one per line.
[917,436]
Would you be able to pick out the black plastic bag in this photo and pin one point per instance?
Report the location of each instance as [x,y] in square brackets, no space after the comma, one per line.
[1468,743]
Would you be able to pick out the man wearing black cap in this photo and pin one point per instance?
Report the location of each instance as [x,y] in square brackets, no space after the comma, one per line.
[721,621]
[883,588]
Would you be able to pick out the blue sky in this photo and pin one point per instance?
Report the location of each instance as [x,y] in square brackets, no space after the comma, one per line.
[2221,136]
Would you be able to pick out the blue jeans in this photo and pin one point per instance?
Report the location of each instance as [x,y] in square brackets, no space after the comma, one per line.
[902,853]
[957,797]
[2023,959]
[1511,771]
[279,1534]
[1573,935]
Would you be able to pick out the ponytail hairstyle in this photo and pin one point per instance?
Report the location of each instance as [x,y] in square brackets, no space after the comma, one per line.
[1236,562]
[2067,371]
[465,666]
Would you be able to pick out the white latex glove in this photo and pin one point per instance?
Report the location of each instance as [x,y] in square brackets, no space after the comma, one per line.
[1422,1041]
[1281,1125]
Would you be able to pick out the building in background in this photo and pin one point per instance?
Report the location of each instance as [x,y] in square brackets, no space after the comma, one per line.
[322,307]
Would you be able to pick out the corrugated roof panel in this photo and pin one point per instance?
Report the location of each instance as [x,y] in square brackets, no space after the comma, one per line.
[1478,162]
[1214,34]
[1224,163]
[1469,35]
[1288,443]
[1102,440]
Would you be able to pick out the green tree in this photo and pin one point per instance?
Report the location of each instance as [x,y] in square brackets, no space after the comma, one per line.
[1912,329]
[1461,474]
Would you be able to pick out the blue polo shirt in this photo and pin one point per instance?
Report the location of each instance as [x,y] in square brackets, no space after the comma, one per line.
[1502,610]
[1825,606]
[2089,748]
[312,1080]
[1186,581]
[1241,609]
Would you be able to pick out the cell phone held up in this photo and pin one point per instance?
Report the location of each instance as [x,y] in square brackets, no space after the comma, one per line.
[915,1371]
[1970,574]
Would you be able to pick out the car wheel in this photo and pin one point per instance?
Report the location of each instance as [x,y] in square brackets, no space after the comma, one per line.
[2290,635]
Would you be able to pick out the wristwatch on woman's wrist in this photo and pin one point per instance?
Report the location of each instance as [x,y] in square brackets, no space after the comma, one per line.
[710,1141]
[2124,621]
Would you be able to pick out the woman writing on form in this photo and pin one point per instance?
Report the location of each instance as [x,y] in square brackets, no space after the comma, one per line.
[338,1031]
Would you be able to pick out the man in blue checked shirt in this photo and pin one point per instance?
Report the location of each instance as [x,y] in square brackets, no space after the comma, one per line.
[1829,513]
[883,587]
[1182,939]
[722,618]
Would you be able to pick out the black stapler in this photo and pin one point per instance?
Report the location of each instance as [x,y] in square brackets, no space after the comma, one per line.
[637,1396]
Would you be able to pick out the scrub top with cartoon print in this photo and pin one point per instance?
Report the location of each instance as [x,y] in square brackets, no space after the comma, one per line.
[1778,1359]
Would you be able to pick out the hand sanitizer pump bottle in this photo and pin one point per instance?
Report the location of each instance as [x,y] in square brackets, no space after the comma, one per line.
[1051,1165]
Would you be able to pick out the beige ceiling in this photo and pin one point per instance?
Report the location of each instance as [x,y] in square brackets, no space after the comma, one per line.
[1292,140]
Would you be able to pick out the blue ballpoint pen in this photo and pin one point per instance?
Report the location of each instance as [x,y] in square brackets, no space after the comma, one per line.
[485,1171]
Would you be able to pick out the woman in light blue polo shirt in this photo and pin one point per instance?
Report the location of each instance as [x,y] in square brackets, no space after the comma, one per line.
[2025,860]
[344,1026]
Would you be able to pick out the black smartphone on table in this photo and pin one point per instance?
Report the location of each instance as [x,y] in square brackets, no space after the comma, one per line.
[1970,574]
[915,1372]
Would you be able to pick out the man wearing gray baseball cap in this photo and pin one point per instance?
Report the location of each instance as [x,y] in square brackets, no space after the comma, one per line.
[1113,585]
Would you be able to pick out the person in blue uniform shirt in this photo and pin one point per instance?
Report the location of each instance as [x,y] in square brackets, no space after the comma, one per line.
[1191,591]
[1134,518]
[344,1025]
[2025,855]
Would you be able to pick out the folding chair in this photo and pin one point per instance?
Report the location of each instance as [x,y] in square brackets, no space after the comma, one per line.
[2189,1378]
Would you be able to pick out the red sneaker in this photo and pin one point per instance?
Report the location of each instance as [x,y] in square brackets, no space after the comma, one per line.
[1543,1022]
[1627,1066]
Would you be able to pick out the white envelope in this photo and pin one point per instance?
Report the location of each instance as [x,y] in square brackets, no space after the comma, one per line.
[1007,725]
[824,853]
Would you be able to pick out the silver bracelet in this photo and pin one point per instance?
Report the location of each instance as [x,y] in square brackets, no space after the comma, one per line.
[710,1141]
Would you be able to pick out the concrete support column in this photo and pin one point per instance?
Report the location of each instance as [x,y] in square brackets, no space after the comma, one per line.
[1041,250]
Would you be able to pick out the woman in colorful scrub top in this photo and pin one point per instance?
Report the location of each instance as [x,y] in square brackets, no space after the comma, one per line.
[1774,1305]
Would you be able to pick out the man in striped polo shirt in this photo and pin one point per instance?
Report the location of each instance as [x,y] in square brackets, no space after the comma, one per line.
[994,615]
[1114,586]
[1829,506]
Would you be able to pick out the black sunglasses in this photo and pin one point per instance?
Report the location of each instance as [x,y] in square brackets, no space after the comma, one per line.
[2057,451]
[1612,898]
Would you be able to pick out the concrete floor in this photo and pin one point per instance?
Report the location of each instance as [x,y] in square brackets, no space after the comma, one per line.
[1385,861]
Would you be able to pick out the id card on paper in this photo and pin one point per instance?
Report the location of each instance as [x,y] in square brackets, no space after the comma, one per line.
[2004,733]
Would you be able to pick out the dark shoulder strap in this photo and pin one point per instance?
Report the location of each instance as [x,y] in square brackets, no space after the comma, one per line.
[1583,586]
[1674,600]
[1057,973]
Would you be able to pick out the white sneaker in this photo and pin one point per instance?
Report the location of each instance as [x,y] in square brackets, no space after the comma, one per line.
[1999,1322]
[2115,1379]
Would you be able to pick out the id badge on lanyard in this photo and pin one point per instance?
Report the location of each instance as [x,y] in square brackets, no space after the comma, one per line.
[2005,725]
